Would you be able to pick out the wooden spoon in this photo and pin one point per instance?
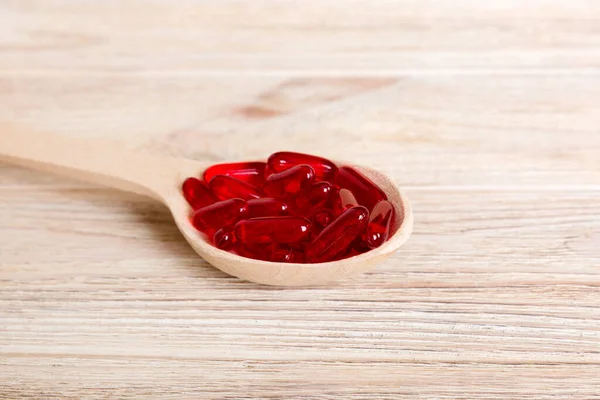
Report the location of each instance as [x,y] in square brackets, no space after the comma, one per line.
[158,177]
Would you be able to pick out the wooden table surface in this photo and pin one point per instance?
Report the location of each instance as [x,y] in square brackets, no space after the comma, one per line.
[486,112]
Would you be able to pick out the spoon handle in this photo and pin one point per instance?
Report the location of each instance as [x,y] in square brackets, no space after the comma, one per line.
[92,160]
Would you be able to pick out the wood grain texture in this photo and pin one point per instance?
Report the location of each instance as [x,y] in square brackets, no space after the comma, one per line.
[495,296]
[265,35]
[450,131]
[113,298]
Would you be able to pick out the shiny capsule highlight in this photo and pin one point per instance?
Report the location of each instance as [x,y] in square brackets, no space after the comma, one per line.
[324,169]
[273,229]
[380,222]
[220,214]
[336,238]
[267,207]
[225,187]
[251,172]
[316,196]
[197,193]
[289,182]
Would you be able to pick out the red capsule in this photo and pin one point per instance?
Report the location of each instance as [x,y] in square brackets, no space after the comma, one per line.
[289,182]
[266,207]
[316,196]
[197,194]
[226,187]
[343,199]
[273,229]
[270,252]
[360,245]
[268,172]
[353,252]
[220,214]
[296,256]
[283,253]
[380,222]
[338,236]
[321,219]
[224,238]
[366,192]
[324,169]
[250,172]
[261,251]
[350,253]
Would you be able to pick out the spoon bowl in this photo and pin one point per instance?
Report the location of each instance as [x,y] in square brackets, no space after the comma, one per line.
[99,162]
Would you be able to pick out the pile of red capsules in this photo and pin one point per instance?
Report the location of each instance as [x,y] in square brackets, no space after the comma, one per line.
[293,208]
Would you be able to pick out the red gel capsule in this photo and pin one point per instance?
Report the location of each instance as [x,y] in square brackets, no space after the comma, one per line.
[197,194]
[353,252]
[366,192]
[350,253]
[360,244]
[321,219]
[268,172]
[270,252]
[289,182]
[283,253]
[226,187]
[287,254]
[314,197]
[343,199]
[324,169]
[219,214]
[224,238]
[273,229]
[261,251]
[338,236]
[380,222]
[296,256]
[266,207]
[249,172]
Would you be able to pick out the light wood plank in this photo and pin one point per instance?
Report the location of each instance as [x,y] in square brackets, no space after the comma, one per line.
[136,35]
[112,297]
[450,131]
[486,111]
[454,227]
[322,379]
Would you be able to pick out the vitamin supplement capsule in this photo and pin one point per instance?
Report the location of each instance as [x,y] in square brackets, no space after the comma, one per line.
[353,252]
[268,172]
[296,256]
[226,187]
[269,252]
[316,196]
[197,194]
[360,244]
[261,251]
[266,207]
[224,238]
[366,192]
[273,229]
[219,214]
[343,199]
[289,182]
[338,236]
[282,253]
[250,172]
[324,169]
[287,254]
[350,253]
[321,219]
[379,225]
